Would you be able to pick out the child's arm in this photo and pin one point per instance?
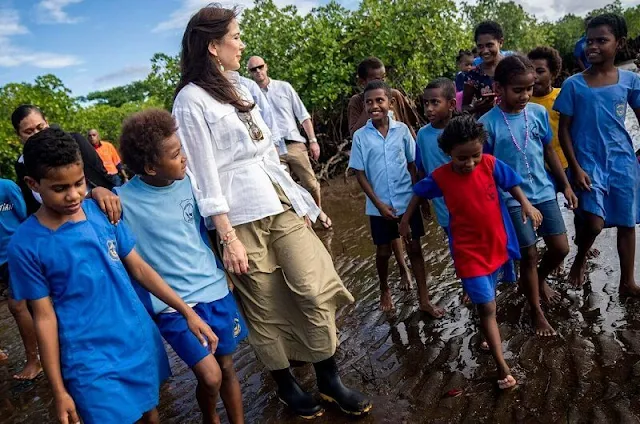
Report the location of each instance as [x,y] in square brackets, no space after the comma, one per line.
[404,228]
[424,189]
[151,281]
[581,179]
[527,208]
[552,160]
[46,326]
[508,180]
[386,211]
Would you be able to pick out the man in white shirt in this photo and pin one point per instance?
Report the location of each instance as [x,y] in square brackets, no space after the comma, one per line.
[288,110]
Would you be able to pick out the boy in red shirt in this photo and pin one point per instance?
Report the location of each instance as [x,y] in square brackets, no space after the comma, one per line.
[481,248]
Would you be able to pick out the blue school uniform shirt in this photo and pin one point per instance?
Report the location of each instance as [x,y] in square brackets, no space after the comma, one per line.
[12,212]
[580,50]
[478,60]
[537,185]
[602,144]
[429,157]
[384,162]
[167,225]
[109,347]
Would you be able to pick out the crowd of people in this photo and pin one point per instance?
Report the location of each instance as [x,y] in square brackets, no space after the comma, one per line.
[102,267]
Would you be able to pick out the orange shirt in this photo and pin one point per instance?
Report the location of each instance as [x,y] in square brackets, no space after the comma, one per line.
[109,156]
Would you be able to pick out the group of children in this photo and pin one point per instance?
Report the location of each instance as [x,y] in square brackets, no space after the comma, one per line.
[494,172]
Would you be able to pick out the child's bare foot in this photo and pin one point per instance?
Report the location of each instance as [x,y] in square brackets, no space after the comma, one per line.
[548,295]
[484,346]
[593,253]
[541,326]
[386,304]
[405,281]
[466,300]
[576,275]
[629,289]
[31,371]
[558,272]
[433,310]
[507,383]
[3,355]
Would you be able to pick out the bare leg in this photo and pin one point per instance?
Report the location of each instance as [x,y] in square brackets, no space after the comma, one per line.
[590,227]
[557,250]
[209,378]
[23,318]
[417,264]
[230,390]
[529,282]
[489,327]
[627,253]
[383,253]
[405,275]
[150,417]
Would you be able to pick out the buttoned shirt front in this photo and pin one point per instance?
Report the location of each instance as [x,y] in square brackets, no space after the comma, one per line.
[288,109]
[384,161]
[230,172]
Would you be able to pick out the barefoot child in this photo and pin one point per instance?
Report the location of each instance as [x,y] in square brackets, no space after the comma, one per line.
[480,247]
[159,206]
[383,156]
[602,162]
[519,135]
[99,348]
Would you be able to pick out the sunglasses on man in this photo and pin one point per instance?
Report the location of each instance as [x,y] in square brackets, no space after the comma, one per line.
[256,68]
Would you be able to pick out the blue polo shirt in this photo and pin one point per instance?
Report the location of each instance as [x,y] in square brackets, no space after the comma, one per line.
[384,161]
[537,185]
[429,157]
[12,212]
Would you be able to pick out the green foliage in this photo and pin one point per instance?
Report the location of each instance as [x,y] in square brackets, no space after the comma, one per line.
[163,79]
[137,91]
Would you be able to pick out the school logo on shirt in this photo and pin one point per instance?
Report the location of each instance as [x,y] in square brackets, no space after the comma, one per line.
[491,192]
[187,210]
[236,327]
[112,247]
[621,109]
[6,207]
[533,131]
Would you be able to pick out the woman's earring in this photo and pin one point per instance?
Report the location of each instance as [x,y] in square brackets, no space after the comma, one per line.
[220,64]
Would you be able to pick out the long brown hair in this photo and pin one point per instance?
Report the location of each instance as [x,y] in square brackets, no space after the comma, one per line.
[211,23]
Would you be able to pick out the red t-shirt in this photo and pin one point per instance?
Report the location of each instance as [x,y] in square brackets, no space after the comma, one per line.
[478,235]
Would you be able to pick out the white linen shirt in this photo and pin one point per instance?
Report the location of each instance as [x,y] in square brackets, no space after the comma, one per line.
[231,173]
[287,108]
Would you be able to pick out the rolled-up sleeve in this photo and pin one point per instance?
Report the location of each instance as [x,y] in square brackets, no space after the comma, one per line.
[201,163]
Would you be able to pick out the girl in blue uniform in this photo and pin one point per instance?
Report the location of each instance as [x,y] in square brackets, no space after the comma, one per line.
[99,348]
[602,162]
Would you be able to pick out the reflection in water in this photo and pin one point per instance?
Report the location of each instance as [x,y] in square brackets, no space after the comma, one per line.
[409,362]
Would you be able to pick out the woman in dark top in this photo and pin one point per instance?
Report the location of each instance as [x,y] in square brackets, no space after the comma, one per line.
[28,120]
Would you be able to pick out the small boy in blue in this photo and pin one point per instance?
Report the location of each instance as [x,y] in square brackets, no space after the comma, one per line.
[602,162]
[13,211]
[519,134]
[158,204]
[383,156]
[99,348]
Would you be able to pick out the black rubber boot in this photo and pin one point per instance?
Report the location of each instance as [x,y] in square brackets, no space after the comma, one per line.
[350,401]
[289,392]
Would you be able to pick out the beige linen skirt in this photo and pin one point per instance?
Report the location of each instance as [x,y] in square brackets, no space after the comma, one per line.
[290,295]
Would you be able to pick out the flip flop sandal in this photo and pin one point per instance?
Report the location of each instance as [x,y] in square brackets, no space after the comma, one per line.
[326,223]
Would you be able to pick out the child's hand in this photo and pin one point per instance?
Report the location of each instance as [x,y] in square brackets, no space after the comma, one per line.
[203,332]
[534,214]
[66,409]
[405,230]
[108,202]
[582,180]
[387,212]
[572,199]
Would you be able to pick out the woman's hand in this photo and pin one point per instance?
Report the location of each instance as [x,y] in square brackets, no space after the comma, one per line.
[108,202]
[234,257]
[203,332]
[581,179]
[66,409]
[528,211]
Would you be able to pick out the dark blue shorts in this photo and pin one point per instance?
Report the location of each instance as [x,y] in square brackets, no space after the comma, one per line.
[225,321]
[481,289]
[384,231]
[552,223]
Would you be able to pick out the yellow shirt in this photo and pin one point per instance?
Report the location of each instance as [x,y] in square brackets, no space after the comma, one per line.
[554,118]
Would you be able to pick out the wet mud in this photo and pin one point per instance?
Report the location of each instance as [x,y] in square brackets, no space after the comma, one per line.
[409,363]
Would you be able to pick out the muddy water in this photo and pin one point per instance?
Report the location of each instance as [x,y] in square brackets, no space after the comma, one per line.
[590,373]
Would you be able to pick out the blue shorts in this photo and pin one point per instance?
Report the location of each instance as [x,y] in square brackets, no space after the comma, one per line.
[384,231]
[552,223]
[225,321]
[481,289]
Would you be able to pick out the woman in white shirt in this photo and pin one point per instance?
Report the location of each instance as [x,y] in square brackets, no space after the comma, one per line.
[259,215]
